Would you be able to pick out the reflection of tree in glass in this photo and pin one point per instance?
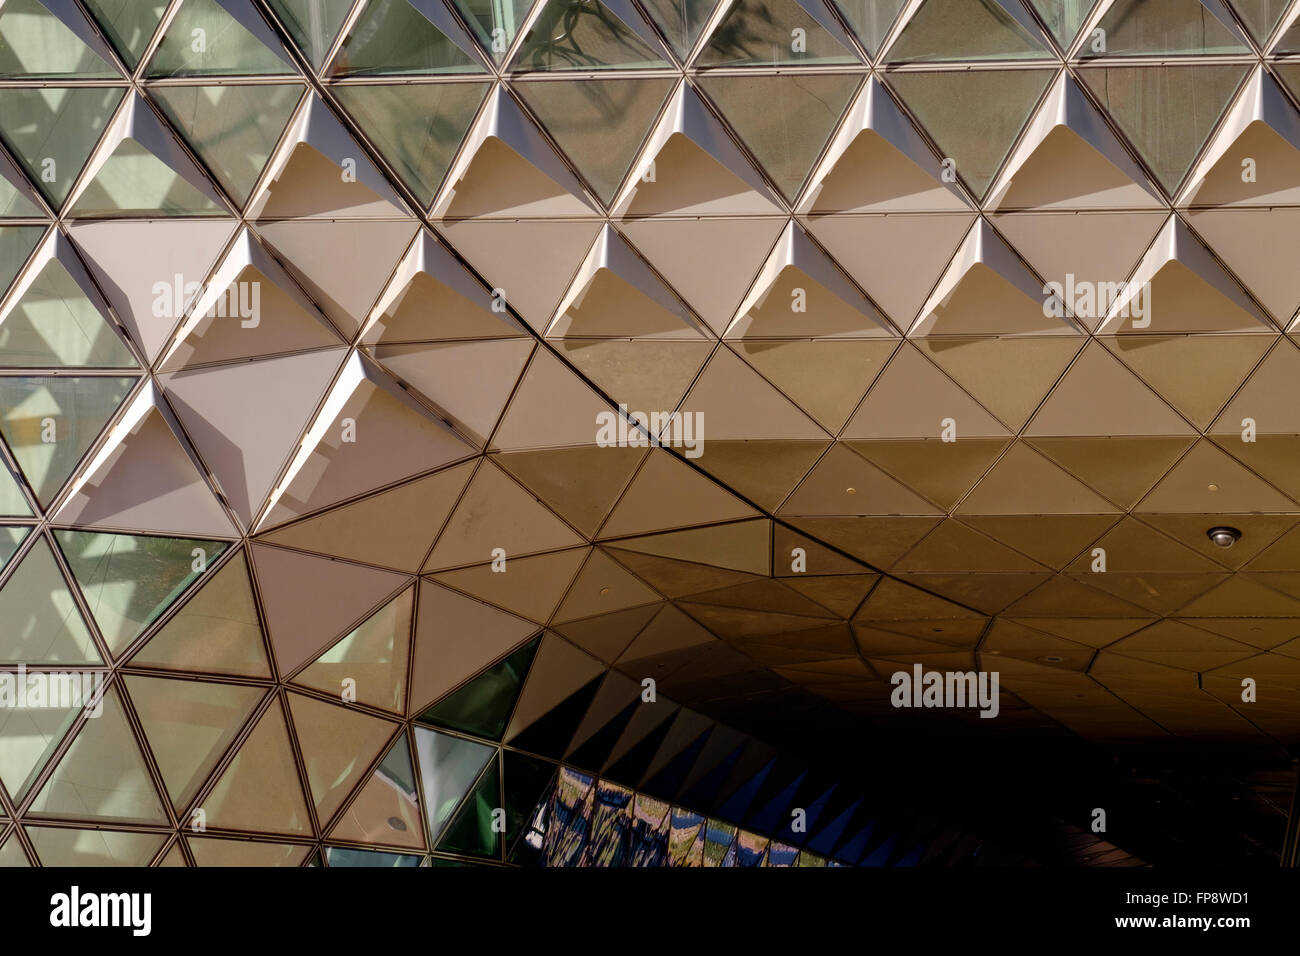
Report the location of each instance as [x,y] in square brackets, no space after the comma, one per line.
[557,39]
[740,37]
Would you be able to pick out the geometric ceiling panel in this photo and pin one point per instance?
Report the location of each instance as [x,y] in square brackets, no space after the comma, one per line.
[406,403]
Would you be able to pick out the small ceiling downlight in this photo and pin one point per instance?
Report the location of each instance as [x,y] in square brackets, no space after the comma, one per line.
[1224,537]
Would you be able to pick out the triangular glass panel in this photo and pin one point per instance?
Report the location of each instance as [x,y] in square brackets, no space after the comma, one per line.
[141,171]
[312,24]
[347,856]
[189,725]
[30,732]
[102,776]
[784,120]
[218,38]
[474,831]
[55,324]
[232,129]
[1289,42]
[483,706]
[681,21]
[49,423]
[129,581]
[35,43]
[974,117]
[943,30]
[387,810]
[259,790]
[1261,16]
[1162,28]
[16,245]
[1063,17]
[870,20]
[599,124]
[1167,112]
[417,128]
[217,631]
[70,847]
[759,32]
[42,623]
[52,130]
[586,35]
[494,23]
[12,502]
[337,744]
[128,24]
[448,768]
[394,37]
[374,657]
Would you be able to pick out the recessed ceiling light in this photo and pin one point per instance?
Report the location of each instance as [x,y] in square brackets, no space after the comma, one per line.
[851,491]
[396,823]
[1224,537]
[1212,486]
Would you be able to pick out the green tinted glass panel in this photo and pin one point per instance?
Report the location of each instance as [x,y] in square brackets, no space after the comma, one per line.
[36,43]
[600,124]
[483,706]
[17,243]
[313,24]
[870,19]
[393,37]
[417,128]
[680,20]
[1162,27]
[762,33]
[204,40]
[1167,112]
[495,22]
[128,24]
[974,117]
[129,580]
[964,30]
[1288,73]
[583,35]
[448,768]
[347,856]
[10,537]
[1063,17]
[232,129]
[52,130]
[13,201]
[1290,41]
[54,325]
[472,831]
[1261,16]
[42,623]
[134,182]
[30,732]
[102,775]
[784,120]
[49,423]
[12,505]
